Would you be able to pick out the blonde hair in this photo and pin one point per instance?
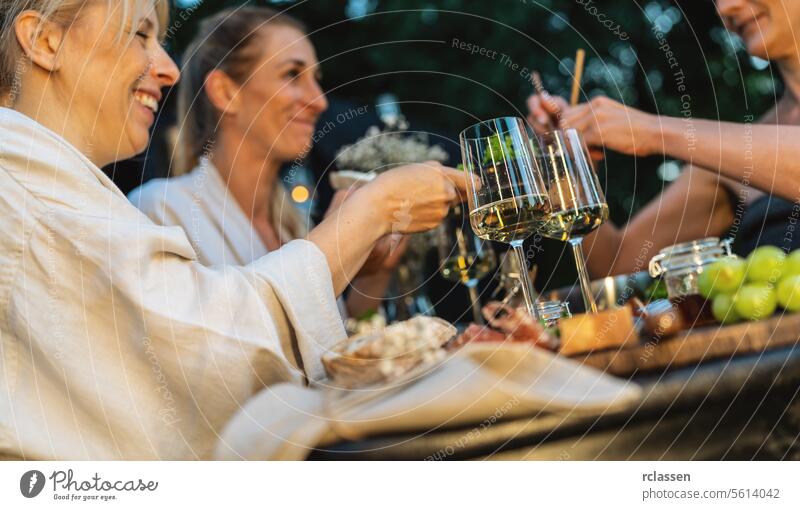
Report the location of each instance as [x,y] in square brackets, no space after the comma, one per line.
[228,42]
[62,12]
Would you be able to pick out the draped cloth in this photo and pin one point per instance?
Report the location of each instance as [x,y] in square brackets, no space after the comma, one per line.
[115,342]
[482,383]
[219,230]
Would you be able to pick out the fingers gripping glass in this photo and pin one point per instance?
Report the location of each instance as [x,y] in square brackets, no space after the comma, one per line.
[507,197]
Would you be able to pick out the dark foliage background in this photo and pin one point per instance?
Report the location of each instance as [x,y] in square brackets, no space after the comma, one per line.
[370,47]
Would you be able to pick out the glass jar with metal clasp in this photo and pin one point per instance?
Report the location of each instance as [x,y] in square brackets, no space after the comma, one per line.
[680,266]
[550,312]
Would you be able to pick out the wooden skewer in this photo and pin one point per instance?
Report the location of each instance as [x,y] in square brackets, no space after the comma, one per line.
[536,80]
[576,77]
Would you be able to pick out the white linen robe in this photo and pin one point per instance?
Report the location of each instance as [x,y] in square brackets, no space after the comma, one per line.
[115,343]
[199,201]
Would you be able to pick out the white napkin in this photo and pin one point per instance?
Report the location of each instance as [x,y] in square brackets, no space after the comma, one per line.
[482,380]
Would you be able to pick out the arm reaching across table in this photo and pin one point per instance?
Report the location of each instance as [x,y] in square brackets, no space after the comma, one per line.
[759,154]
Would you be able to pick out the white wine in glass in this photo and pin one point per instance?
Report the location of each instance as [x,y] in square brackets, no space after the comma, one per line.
[507,198]
[577,203]
[467,268]
[510,219]
[463,257]
[561,225]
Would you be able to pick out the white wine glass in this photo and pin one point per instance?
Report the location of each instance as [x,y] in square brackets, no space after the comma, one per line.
[507,197]
[577,203]
[464,257]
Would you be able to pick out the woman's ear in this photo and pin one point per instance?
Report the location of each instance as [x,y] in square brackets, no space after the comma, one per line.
[222,91]
[39,39]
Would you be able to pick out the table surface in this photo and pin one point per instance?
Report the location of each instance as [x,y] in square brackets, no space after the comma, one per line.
[737,408]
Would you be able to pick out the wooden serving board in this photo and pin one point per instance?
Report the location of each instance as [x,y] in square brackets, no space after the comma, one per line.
[698,345]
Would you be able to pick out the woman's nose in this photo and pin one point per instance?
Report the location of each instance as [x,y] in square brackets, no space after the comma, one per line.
[165,69]
[315,98]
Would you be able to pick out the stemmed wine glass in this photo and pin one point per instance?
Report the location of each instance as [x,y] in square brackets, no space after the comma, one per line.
[507,196]
[578,205]
[463,257]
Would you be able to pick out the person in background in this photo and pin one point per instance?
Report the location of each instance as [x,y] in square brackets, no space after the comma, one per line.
[116,342]
[743,180]
[249,102]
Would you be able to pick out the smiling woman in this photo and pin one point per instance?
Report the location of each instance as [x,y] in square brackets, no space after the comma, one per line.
[122,64]
[250,90]
[115,342]
[248,103]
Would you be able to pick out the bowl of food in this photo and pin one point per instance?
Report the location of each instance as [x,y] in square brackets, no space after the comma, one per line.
[389,353]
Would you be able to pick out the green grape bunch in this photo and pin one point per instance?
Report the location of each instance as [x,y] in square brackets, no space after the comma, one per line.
[753,288]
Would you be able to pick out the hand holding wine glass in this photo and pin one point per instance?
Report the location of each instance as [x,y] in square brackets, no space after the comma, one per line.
[507,197]
[416,197]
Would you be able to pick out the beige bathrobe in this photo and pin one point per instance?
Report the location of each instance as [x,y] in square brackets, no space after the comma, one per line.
[115,342]
[219,230]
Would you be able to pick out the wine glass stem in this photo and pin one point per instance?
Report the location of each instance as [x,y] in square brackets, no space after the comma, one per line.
[477,318]
[525,280]
[583,275]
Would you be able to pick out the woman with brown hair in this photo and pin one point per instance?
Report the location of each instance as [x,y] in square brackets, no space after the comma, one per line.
[116,342]
[248,104]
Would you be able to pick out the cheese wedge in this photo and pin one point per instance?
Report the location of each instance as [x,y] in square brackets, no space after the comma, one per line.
[604,330]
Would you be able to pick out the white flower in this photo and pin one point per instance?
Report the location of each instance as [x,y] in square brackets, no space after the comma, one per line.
[379,151]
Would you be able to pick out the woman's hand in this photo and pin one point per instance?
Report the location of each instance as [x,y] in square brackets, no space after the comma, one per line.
[415,198]
[407,199]
[604,122]
[368,288]
[388,250]
[386,255]
[545,112]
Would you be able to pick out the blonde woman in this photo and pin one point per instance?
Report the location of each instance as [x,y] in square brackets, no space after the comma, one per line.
[248,104]
[116,342]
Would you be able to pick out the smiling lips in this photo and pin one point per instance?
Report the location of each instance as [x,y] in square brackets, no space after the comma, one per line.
[752,24]
[146,99]
[308,124]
